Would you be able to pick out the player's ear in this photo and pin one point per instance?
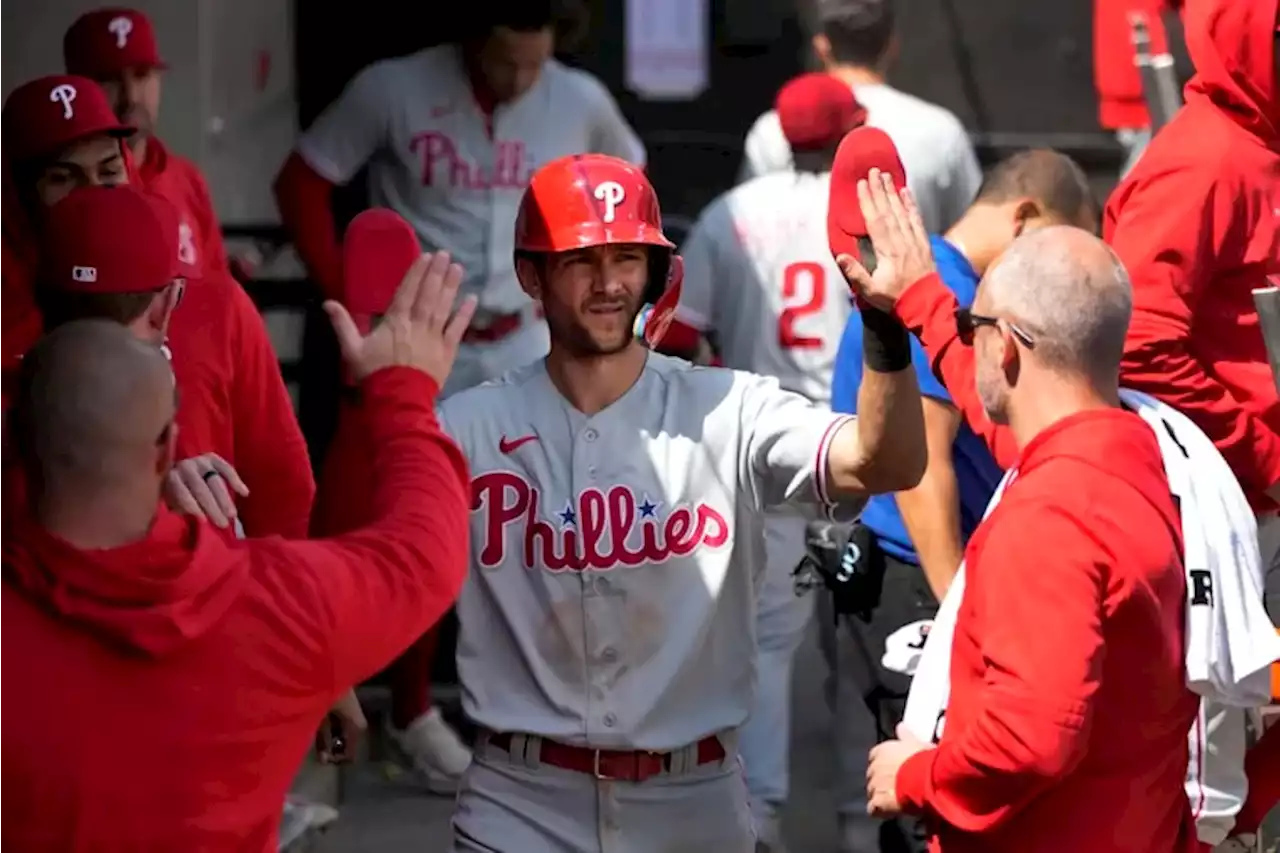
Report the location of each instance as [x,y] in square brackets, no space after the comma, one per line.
[530,276]
[1027,213]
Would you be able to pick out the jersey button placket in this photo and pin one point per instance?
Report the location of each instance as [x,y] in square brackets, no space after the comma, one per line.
[595,692]
[599,596]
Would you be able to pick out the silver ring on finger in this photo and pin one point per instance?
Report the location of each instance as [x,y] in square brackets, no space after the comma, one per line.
[209,475]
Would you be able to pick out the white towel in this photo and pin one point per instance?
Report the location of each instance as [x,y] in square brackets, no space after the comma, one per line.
[1231,642]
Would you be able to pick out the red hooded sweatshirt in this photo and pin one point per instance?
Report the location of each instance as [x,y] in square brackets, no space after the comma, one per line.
[169,689]
[234,400]
[234,403]
[177,180]
[1196,225]
[1056,646]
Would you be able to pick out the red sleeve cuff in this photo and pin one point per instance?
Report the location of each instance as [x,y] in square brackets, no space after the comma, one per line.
[925,303]
[398,382]
[912,782]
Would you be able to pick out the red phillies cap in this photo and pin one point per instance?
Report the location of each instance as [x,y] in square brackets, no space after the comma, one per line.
[864,149]
[816,111]
[110,240]
[46,115]
[377,251]
[105,42]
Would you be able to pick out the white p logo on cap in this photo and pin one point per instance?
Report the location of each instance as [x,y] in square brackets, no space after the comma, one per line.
[84,275]
[612,194]
[64,93]
[186,244]
[121,26]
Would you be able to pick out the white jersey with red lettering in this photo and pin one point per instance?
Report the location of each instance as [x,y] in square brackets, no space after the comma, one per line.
[759,276]
[455,173]
[615,558]
[942,169]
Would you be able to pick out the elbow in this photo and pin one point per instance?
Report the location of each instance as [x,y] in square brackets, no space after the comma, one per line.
[900,464]
[903,474]
[1049,755]
[887,469]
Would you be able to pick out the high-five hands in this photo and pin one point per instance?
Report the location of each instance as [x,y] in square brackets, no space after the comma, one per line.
[421,328]
[898,235]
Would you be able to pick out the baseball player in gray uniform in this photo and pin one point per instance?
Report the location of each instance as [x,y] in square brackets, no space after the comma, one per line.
[450,136]
[855,43]
[760,280]
[607,645]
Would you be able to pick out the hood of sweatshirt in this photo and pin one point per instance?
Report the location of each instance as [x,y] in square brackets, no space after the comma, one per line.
[1233,46]
[152,596]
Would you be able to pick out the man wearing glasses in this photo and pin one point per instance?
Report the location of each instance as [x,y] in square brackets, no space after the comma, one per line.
[1057,663]
[910,544]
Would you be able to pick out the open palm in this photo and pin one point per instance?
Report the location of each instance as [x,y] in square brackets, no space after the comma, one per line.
[898,236]
[421,329]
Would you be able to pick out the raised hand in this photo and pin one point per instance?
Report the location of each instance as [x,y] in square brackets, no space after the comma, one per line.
[898,236]
[421,329]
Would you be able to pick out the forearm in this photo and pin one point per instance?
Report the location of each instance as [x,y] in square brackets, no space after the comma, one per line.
[407,564]
[883,449]
[980,782]
[927,308]
[305,200]
[931,515]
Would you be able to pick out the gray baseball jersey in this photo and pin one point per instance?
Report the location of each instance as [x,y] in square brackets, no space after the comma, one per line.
[615,558]
[941,167]
[454,173]
[758,273]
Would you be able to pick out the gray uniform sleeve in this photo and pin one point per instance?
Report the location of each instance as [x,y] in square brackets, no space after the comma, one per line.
[351,129]
[786,439]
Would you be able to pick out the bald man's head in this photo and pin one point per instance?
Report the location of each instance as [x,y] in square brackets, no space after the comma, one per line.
[94,412]
[1070,292]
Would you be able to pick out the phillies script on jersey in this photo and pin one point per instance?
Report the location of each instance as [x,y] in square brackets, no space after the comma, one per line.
[599,531]
[443,162]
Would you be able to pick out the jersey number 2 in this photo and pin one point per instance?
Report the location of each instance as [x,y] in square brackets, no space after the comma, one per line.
[799,301]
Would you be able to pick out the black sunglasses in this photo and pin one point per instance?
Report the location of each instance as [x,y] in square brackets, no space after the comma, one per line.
[968,322]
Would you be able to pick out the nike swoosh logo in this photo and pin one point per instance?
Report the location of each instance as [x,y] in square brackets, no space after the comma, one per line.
[507,445]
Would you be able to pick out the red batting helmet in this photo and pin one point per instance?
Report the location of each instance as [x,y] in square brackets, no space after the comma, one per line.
[588,200]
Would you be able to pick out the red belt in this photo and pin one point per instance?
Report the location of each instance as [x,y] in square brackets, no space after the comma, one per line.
[497,329]
[614,764]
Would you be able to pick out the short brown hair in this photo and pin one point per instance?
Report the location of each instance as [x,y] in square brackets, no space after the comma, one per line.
[1048,176]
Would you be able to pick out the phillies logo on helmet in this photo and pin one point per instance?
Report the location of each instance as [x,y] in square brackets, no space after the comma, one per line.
[599,531]
[612,194]
[121,27]
[64,93]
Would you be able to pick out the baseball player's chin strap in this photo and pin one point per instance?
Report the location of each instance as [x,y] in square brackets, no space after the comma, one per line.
[655,320]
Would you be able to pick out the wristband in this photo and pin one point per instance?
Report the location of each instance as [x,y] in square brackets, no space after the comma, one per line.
[886,343]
